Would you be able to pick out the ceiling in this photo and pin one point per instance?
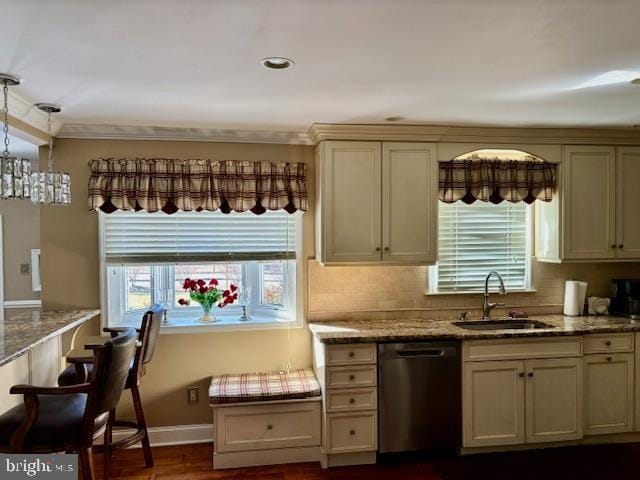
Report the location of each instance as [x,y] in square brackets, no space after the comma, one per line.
[196,63]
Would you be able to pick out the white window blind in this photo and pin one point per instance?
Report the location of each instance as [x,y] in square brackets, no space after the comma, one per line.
[475,239]
[194,237]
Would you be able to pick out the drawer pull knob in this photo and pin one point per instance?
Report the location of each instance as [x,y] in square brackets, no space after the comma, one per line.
[521,374]
[352,432]
[352,400]
[351,354]
[609,359]
[352,377]
[377,249]
[608,343]
[269,427]
[530,374]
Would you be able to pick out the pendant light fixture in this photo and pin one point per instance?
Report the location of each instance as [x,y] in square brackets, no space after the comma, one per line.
[16,171]
[50,188]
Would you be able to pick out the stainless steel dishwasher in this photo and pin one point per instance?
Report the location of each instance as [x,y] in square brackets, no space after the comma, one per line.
[419,396]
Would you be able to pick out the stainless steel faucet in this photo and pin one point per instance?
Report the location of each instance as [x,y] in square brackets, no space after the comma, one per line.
[487,306]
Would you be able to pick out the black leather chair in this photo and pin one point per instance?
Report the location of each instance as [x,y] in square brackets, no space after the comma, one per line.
[81,368]
[68,419]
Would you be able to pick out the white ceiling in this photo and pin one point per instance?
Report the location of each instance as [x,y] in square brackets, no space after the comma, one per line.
[191,63]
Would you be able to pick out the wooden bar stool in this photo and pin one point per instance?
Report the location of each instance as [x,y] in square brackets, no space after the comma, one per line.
[82,367]
[68,419]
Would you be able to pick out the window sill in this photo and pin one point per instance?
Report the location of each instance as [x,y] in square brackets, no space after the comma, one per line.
[476,292]
[187,324]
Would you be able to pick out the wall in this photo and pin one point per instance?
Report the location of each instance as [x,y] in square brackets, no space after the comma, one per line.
[399,292]
[70,264]
[20,234]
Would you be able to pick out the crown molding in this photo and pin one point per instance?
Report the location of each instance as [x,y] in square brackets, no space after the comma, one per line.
[490,135]
[28,113]
[130,132]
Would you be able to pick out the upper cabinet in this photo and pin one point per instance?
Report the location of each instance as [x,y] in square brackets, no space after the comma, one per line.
[592,216]
[376,202]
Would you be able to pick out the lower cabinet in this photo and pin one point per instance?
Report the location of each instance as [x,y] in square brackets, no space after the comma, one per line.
[553,399]
[493,403]
[522,401]
[608,393]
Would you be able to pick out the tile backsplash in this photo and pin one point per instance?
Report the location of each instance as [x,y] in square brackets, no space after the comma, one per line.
[378,292]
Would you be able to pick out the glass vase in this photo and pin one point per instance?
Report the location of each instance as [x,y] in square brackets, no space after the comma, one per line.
[207,316]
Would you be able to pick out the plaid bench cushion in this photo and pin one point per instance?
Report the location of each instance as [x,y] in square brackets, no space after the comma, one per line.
[262,387]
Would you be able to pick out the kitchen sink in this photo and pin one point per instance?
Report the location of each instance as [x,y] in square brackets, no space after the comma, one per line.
[508,324]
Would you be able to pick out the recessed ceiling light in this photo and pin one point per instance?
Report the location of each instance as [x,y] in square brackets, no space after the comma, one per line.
[277,63]
[636,81]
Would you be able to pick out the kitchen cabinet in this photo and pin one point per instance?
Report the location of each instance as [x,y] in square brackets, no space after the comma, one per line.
[608,393]
[493,403]
[376,203]
[515,392]
[15,372]
[589,202]
[627,225]
[553,399]
[348,379]
[592,216]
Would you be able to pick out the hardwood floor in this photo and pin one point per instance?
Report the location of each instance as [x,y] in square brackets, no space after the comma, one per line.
[193,462]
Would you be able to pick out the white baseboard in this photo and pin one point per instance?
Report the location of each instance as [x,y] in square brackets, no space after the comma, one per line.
[22,303]
[172,435]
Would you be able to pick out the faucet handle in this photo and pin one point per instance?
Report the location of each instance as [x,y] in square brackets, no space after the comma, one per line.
[498,304]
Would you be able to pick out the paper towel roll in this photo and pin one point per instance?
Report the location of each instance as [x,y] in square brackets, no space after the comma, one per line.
[574,295]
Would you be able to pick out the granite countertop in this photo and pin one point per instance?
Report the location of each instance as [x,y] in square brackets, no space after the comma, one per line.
[364,331]
[21,331]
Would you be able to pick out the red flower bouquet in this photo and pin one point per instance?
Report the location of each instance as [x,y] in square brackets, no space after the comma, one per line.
[208,294]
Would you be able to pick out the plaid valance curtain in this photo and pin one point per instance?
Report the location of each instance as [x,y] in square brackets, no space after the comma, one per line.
[168,185]
[497,180]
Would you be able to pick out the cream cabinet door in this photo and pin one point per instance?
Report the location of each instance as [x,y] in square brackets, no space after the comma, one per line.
[44,363]
[13,373]
[554,399]
[493,409]
[589,202]
[409,202]
[608,393]
[627,225]
[351,201]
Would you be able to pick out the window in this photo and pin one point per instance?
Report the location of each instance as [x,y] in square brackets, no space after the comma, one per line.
[147,256]
[475,239]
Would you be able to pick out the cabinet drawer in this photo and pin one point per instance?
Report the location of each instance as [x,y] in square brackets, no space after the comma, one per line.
[603,343]
[351,399]
[295,424]
[513,349]
[351,432]
[351,354]
[360,376]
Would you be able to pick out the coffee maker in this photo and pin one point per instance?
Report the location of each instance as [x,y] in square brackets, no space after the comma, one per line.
[625,297]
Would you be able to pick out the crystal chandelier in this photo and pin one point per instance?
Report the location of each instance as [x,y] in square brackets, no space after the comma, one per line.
[50,188]
[16,171]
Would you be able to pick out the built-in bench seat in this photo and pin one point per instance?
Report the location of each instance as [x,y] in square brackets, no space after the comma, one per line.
[265,418]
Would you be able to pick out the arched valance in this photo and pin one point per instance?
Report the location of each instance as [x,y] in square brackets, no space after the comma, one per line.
[495,179]
[169,185]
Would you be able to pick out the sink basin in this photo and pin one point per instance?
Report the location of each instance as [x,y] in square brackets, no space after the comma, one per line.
[509,324]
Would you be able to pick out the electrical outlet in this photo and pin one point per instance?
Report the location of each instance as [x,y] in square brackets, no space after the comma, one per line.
[25,268]
[193,395]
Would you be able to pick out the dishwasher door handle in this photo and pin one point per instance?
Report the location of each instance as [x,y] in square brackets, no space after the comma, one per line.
[435,353]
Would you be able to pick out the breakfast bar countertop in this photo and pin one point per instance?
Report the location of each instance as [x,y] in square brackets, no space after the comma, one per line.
[23,330]
[365,331]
